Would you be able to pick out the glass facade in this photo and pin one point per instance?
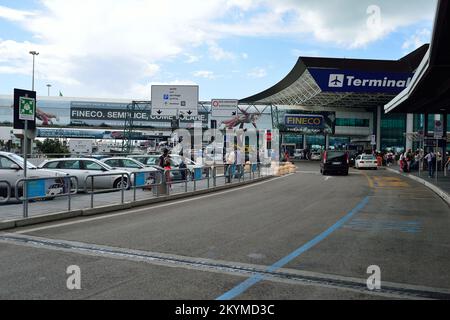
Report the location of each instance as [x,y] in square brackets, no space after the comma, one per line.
[393,129]
[360,123]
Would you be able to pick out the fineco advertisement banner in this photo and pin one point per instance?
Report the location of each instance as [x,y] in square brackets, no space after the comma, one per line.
[109,114]
[60,113]
[308,123]
[332,80]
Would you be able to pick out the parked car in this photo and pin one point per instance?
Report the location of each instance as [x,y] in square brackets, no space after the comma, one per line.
[299,154]
[12,170]
[83,168]
[366,162]
[132,166]
[335,162]
[352,155]
[316,156]
[153,160]
[191,165]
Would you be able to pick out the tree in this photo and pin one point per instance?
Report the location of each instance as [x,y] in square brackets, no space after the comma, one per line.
[52,146]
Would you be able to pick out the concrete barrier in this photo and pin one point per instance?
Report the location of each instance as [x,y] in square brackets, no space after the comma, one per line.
[47,218]
[8,225]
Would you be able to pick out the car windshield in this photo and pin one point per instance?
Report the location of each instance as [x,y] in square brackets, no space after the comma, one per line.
[335,155]
[20,161]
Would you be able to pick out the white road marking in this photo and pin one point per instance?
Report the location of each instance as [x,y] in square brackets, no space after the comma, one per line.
[146,209]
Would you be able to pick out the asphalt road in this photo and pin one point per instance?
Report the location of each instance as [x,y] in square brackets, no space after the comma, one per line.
[303,236]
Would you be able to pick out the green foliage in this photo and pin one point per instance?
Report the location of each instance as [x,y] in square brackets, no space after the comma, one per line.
[52,146]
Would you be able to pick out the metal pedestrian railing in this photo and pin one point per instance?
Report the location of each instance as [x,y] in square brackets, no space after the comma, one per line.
[86,194]
[125,181]
[44,189]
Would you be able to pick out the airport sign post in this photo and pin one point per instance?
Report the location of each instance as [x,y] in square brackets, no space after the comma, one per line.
[27,112]
[175,101]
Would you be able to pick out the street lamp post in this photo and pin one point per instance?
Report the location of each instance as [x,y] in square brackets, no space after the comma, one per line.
[49,86]
[34,54]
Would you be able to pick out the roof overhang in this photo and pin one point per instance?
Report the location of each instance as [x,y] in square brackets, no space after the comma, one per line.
[430,89]
[342,83]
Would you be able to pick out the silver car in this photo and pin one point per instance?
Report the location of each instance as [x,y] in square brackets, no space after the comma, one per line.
[132,166]
[105,177]
[12,170]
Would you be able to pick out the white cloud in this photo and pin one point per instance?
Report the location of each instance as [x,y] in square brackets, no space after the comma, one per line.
[114,46]
[192,58]
[219,54]
[205,74]
[14,15]
[418,39]
[257,73]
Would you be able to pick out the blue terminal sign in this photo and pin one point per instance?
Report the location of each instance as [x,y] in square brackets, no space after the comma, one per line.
[332,80]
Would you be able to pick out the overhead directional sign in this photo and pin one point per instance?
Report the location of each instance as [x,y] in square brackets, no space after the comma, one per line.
[224,108]
[332,80]
[175,100]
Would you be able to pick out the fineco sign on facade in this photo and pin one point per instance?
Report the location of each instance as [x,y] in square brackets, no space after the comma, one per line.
[331,80]
[307,121]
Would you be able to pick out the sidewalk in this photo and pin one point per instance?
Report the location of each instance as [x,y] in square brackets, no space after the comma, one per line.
[441,186]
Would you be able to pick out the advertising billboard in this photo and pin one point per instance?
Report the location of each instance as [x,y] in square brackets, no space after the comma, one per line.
[114,115]
[308,123]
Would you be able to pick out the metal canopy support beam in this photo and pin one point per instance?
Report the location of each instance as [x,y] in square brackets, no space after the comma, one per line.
[129,127]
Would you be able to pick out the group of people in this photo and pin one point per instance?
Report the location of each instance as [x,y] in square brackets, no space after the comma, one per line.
[235,161]
[410,161]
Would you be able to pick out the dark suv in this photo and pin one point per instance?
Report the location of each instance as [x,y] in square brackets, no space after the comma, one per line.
[335,162]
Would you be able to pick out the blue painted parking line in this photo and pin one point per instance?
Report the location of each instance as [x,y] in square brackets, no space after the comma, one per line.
[241,288]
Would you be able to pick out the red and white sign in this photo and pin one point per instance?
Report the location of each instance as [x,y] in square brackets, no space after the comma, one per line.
[224,108]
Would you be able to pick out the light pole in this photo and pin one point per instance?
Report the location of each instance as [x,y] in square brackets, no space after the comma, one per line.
[49,86]
[34,54]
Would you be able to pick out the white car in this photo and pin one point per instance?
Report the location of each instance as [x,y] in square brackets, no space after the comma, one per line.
[298,154]
[366,162]
[11,170]
[132,166]
[84,168]
[316,156]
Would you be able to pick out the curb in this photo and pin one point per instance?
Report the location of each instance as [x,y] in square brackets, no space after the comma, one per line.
[12,224]
[441,193]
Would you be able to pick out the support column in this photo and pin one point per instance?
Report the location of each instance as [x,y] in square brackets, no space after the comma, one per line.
[378,128]
[305,142]
[409,130]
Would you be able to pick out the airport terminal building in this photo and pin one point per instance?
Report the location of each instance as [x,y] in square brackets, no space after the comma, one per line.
[355,92]
[349,96]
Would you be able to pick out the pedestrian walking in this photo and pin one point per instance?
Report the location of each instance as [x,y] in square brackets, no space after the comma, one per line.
[431,160]
[239,164]
[230,162]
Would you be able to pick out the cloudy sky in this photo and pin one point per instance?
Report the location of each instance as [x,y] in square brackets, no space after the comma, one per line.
[230,48]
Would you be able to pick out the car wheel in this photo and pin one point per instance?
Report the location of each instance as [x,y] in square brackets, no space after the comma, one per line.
[118,184]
